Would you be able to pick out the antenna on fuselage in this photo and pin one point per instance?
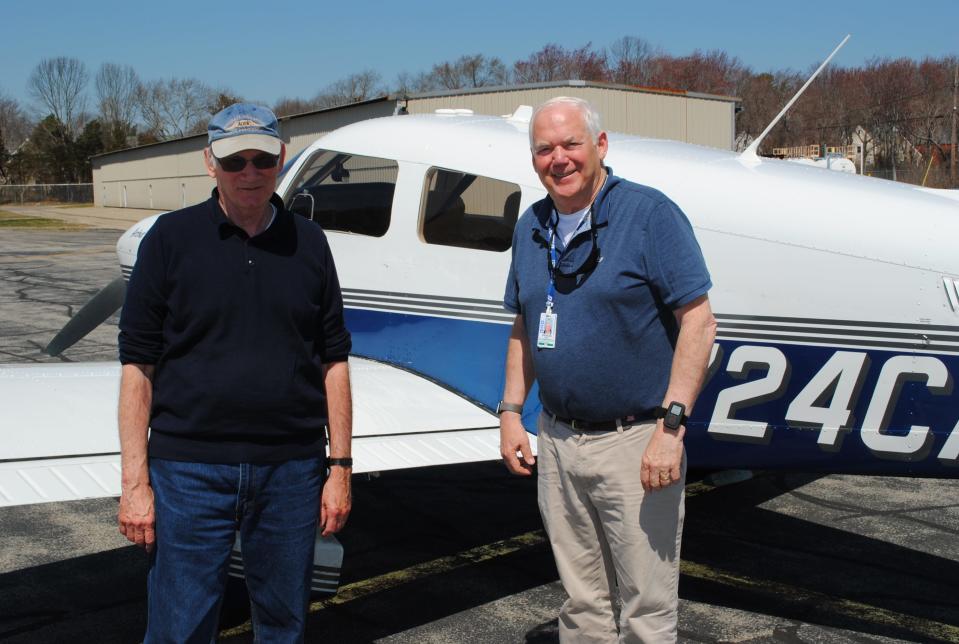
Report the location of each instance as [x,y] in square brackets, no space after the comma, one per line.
[750,154]
[523,114]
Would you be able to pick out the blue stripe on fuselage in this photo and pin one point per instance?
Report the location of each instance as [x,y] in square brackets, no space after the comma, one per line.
[468,357]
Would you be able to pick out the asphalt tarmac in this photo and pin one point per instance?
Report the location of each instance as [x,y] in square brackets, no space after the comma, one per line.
[457,554]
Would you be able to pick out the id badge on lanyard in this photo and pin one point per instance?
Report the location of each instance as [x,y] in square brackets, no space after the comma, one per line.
[546,335]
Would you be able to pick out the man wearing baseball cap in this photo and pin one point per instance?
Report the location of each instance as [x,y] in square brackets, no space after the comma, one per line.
[234,355]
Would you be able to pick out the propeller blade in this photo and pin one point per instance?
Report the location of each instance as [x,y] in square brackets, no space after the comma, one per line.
[93,314]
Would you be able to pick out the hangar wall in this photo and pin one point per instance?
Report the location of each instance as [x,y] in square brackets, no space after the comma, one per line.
[680,116]
[170,175]
[163,176]
[301,130]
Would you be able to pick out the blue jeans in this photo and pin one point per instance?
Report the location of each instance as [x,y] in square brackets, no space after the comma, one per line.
[199,506]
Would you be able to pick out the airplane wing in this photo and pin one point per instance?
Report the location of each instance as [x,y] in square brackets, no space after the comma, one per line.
[402,420]
[58,432]
[58,428]
[941,192]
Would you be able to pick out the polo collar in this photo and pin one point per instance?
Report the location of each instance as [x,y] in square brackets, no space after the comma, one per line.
[543,210]
[227,228]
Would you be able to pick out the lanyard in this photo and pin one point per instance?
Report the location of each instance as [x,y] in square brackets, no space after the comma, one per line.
[553,256]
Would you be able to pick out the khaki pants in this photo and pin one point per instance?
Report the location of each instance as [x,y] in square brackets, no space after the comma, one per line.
[616,547]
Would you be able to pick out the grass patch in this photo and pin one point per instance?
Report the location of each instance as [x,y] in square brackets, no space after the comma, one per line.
[13,220]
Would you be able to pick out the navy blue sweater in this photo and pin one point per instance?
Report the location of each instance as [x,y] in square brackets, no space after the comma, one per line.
[239,329]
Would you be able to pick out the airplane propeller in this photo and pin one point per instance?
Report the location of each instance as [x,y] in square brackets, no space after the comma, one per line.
[101,306]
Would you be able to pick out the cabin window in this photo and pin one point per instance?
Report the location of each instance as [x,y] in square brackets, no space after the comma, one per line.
[469,211]
[345,192]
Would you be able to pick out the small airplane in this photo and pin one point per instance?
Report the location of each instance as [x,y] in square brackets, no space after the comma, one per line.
[837,298]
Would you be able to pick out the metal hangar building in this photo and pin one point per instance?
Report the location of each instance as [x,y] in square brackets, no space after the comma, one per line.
[170,174]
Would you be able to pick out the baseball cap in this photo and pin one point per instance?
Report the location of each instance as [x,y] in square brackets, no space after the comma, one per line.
[243,126]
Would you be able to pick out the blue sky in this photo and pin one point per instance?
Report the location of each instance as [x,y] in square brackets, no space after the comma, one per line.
[265,50]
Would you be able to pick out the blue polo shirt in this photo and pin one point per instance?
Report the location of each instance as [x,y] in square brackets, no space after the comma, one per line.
[615,326]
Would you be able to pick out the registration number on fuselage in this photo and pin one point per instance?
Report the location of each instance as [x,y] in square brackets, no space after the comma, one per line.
[898,404]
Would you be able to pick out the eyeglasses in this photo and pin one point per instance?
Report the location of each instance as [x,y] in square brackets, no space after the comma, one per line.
[235,163]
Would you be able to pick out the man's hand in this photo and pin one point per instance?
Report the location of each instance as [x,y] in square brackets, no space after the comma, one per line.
[513,439]
[661,466]
[135,515]
[662,462]
[336,501]
[514,445]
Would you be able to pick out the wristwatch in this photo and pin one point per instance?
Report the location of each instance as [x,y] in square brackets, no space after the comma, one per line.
[342,462]
[505,406]
[673,415]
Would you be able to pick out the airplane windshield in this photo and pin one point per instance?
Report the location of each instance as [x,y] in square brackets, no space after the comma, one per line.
[343,192]
[286,166]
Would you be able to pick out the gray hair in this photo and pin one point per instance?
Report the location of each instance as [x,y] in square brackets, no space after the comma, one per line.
[586,109]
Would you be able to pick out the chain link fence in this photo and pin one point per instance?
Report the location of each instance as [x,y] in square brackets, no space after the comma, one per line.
[59,192]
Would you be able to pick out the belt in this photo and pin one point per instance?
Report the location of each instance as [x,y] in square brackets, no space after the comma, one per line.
[602,425]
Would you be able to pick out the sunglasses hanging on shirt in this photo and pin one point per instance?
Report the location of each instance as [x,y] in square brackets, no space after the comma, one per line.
[588,264]
[235,163]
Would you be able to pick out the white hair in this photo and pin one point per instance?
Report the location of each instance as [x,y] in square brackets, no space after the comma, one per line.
[586,109]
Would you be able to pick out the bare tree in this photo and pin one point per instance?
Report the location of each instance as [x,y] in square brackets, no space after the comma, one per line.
[175,107]
[714,72]
[630,60]
[407,83]
[351,89]
[931,108]
[118,88]
[484,72]
[222,98]
[890,86]
[286,106]
[14,125]
[763,96]
[467,72]
[542,66]
[59,85]
[553,63]
[14,130]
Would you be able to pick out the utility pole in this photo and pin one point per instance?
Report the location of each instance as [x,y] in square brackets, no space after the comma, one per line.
[895,142]
[955,108]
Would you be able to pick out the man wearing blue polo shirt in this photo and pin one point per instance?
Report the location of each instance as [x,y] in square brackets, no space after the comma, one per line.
[234,355]
[610,289]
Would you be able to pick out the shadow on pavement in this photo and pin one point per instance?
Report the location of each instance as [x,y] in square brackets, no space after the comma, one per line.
[788,567]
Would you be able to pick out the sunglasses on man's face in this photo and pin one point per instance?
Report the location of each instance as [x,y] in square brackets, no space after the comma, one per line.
[235,163]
